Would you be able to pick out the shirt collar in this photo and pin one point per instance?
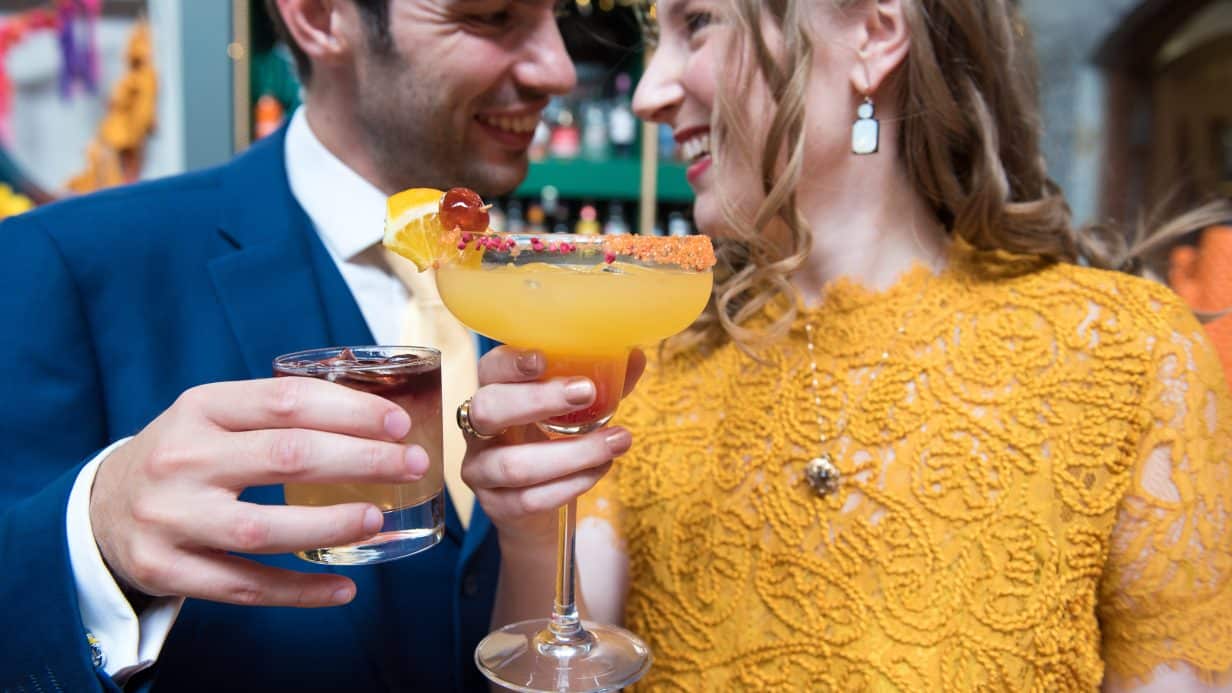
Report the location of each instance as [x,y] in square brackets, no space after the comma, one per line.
[347,211]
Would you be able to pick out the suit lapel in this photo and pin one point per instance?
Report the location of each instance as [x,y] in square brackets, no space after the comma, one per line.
[281,293]
[268,286]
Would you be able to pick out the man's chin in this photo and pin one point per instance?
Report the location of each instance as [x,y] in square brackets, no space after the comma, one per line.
[495,178]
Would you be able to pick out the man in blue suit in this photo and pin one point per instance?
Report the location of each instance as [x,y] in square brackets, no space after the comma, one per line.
[142,439]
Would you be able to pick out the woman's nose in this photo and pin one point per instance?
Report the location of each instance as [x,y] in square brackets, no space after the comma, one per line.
[659,92]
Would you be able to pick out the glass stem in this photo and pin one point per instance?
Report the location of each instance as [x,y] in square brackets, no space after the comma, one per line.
[565,625]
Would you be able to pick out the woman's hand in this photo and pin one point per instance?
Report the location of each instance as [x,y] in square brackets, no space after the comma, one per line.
[521,477]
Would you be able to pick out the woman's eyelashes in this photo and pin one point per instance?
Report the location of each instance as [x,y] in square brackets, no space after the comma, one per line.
[696,21]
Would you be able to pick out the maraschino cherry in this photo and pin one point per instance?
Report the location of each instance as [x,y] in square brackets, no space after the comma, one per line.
[462,208]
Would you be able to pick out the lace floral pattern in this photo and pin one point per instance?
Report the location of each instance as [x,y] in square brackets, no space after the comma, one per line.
[1035,487]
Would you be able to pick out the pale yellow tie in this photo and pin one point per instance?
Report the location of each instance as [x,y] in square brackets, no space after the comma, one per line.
[426,322]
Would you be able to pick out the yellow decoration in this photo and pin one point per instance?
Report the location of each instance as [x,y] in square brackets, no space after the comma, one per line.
[1017,425]
[116,153]
[13,203]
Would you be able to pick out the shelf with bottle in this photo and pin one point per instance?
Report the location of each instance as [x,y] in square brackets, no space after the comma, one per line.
[589,144]
[551,210]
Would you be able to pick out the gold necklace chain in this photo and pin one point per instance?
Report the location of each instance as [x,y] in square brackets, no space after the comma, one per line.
[821,472]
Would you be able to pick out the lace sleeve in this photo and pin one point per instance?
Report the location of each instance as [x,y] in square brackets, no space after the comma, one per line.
[1166,594]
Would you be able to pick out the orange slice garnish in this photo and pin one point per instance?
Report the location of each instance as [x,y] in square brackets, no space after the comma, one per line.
[413,230]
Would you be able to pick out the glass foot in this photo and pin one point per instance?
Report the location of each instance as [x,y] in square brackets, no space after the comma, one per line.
[524,657]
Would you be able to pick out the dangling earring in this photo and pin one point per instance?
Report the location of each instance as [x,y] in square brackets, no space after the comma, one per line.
[866,133]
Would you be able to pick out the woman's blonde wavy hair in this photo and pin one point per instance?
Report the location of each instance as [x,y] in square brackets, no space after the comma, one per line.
[970,143]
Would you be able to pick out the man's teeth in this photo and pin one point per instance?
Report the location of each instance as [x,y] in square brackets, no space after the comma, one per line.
[695,147]
[516,124]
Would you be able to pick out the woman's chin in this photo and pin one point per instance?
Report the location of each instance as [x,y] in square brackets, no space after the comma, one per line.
[708,219]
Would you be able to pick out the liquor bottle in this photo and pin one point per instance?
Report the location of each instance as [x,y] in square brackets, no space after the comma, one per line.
[535,220]
[588,222]
[622,125]
[566,140]
[616,224]
[677,225]
[496,217]
[594,133]
[549,200]
[513,217]
[539,142]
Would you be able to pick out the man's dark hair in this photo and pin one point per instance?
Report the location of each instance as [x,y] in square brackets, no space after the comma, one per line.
[376,25]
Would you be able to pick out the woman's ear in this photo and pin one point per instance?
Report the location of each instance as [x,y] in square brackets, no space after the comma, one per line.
[883,44]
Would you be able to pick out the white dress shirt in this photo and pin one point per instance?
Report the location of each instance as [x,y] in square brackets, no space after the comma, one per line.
[348,213]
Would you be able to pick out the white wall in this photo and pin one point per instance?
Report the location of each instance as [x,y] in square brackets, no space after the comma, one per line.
[50,134]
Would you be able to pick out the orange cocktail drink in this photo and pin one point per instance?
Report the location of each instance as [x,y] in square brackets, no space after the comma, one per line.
[581,307]
[585,302]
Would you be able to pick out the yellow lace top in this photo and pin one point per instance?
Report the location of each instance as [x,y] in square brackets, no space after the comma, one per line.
[1035,488]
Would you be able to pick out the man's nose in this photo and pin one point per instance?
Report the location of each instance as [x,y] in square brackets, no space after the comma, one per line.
[546,67]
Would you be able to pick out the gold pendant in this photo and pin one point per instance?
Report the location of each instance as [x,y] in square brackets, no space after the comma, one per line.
[822,475]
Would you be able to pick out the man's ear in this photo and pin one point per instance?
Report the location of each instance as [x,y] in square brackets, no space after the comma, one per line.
[319,27]
[884,44]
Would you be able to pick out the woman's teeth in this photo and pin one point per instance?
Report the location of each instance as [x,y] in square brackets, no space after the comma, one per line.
[695,147]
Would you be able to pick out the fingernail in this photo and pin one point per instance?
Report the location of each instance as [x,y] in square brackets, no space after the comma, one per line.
[397,424]
[529,362]
[373,521]
[342,595]
[579,391]
[619,441]
[416,461]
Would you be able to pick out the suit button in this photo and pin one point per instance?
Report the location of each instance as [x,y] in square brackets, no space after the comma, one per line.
[470,586]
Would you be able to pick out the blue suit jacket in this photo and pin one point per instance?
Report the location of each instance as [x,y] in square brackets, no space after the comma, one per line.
[110,306]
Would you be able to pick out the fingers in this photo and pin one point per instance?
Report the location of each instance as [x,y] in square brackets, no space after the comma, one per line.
[297,455]
[252,528]
[508,365]
[506,503]
[294,402]
[497,407]
[233,580]
[539,464]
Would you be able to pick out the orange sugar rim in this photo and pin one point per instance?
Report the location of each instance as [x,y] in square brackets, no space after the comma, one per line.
[688,252]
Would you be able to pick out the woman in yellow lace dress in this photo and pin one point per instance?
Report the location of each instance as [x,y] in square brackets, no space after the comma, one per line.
[919,441]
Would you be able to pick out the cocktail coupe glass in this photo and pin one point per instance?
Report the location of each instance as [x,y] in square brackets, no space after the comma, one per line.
[585,302]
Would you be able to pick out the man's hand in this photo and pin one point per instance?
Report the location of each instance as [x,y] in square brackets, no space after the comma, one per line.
[165,506]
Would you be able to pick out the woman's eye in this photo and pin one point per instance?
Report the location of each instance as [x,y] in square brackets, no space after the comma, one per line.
[696,21]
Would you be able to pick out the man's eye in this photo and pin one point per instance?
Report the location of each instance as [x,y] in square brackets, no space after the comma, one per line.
[500,18]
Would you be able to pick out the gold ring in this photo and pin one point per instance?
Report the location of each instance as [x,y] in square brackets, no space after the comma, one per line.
[468,428]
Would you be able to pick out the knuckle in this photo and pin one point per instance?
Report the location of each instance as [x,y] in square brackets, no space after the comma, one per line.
[166,461]
[145,568]
[246,594]
[479,411]
[145,514]
[529,504]
[287,396]
[249,531]
[469,475]
[288,454]
[191,398]
[379,461]
[511,472]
